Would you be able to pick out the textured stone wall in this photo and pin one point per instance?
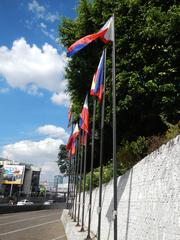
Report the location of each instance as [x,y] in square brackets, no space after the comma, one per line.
[148,199]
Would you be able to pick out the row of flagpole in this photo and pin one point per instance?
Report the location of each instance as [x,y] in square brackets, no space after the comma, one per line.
[77,143]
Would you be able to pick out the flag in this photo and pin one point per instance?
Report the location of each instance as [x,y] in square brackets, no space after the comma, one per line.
[73,149]
[84,116]
[75,132]
[69,117]
[97,86]
[106,34]
[109,34]
[70,145]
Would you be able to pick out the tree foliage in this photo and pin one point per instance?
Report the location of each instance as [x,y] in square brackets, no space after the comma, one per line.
[147,64]
[63,162]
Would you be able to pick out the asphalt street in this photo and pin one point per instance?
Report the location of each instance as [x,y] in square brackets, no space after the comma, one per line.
[34,225]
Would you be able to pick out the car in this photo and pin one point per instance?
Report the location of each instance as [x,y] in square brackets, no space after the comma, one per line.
[49,202]
[24,202]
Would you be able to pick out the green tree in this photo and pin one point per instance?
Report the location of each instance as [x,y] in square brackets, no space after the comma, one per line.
[147,64]
[63,162]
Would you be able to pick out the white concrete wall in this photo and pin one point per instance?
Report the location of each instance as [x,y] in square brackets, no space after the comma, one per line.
[148,199]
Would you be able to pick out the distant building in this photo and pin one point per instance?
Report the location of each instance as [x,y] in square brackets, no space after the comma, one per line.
[31,179]
[24,177]
[60,183]
[60,179]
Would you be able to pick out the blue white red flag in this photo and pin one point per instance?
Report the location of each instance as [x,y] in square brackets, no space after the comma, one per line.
[97,86]
[106,34]
[71,142]
[84,117]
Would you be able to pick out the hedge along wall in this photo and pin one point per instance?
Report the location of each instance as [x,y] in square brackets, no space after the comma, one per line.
[148,199]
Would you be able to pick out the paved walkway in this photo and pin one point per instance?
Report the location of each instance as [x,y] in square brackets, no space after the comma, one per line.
[72,231]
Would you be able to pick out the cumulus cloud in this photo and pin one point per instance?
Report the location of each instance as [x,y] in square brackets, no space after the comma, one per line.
[40,12]
[4,90]
[60,98]
[31,68]
[40,153]
[53,131]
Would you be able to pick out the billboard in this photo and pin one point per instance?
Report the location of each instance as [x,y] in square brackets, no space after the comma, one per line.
[12,174]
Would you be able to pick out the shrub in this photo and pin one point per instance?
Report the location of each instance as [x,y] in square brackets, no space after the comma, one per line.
[173,131]
[154,142]
[129,153]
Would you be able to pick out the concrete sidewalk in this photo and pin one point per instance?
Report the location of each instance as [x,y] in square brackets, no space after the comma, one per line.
[72,231]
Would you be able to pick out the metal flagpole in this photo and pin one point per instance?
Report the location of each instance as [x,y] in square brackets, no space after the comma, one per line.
[69,183]
[101,151]
[69,178]
[80,180]
[75,176]
[84,182]
[77,181]
[114,134]
[92,162]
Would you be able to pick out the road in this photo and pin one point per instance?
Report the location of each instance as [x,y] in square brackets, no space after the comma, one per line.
[33,225]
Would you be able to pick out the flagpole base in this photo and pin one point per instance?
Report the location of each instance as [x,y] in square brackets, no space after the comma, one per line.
[82,229]
[88,237]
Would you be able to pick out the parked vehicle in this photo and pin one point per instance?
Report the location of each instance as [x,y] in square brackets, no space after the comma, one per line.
[24,202]
[49,202]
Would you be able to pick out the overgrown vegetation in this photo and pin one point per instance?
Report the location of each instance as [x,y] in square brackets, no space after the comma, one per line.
[131,152]
[147,74]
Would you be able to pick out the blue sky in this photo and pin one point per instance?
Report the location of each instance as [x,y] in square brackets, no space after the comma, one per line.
[33,103]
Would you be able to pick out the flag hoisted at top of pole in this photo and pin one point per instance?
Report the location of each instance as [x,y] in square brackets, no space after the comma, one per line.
[105,34]
[84,116]
[97,86]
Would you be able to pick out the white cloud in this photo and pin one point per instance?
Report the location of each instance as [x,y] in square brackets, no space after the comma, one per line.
[40,12]
[42,25]
[60,98]
[33,90]
[48,34]
[52,17]
[53,131]
[4,90]
[40,153]
[37,9]
[31,68]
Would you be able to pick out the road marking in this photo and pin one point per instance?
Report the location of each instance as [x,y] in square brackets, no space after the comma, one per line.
[27,219]
[59,237]
[21,214]
[26,228]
